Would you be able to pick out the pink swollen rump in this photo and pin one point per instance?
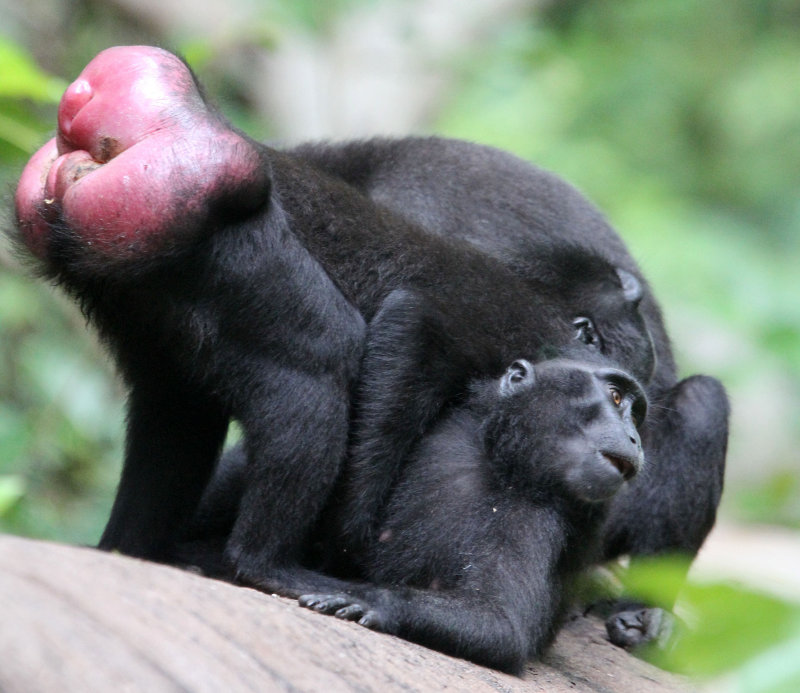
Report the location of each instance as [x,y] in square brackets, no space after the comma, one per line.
[137,148]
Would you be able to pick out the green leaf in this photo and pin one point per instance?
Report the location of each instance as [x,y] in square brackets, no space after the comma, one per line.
[775,671]
[733,624]
[728,625]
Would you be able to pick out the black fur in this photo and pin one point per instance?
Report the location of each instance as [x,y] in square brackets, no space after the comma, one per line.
[519,214]
[259,315]
[493,513]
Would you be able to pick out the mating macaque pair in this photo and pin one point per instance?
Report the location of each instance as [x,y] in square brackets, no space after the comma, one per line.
[369,313]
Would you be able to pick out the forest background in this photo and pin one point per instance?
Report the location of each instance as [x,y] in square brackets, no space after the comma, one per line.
[680,119]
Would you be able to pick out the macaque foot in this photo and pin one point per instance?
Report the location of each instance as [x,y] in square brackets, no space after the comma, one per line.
[631,629]
[344,606]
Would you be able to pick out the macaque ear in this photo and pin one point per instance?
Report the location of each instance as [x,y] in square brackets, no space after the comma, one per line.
[631,286]
[518,374]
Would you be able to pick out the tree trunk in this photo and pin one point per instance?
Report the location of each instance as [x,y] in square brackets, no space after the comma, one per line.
[77,619]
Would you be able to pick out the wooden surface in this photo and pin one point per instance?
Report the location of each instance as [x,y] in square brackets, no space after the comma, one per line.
[76,619]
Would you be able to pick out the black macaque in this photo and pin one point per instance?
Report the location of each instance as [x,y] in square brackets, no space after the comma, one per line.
[442,186]
[493,513]
[518,214]
[434,520]
[233,281]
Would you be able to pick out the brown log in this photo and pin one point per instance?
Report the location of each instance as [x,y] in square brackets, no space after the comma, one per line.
[77,619]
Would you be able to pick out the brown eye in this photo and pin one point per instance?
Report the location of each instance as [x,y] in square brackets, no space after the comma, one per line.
[616,396]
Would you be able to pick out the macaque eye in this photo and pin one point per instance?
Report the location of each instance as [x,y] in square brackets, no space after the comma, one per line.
[585,331]
[616,396]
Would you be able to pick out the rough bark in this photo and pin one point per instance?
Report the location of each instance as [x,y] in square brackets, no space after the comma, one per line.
[76,619]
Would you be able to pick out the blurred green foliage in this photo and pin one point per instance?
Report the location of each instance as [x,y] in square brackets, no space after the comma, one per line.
[680,120]
[57,438]
[775,500]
